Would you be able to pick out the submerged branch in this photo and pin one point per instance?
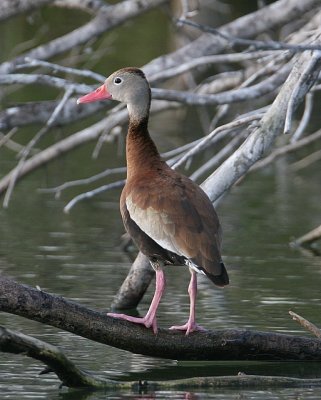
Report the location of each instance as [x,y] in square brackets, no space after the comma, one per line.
[73,377]
[54,358]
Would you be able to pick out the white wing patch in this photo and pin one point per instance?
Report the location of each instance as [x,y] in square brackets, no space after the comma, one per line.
[193,266]
[155,224]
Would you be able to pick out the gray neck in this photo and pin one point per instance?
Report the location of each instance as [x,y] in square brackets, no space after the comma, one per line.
[138,111]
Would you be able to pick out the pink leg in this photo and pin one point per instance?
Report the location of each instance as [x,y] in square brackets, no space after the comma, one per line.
[190,325]
[150,318]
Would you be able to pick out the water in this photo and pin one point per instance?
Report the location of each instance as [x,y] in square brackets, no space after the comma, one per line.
[79,256]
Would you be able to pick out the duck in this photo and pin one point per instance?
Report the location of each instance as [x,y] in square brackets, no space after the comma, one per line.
[168,216]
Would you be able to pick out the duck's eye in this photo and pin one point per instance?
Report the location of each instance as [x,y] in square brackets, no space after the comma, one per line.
[118,81]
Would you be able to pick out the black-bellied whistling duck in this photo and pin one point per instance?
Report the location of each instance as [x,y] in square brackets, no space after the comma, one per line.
[168,216]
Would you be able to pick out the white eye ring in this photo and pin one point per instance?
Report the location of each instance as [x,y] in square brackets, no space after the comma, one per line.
[118,81]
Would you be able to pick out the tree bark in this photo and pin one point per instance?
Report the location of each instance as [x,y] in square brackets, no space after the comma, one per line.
[232,344]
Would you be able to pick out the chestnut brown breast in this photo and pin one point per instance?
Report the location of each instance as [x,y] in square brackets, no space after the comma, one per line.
[170,218]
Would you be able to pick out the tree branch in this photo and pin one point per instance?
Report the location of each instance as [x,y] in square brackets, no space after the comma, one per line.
[233,344]
[40,112]
[262,138]
[90,6]
[108,17]
[247,26]
[55,359]
[71,376]
[306,161]
[41,79]
[306,324]
[31,63]
[92,193]
[230,96]
[25,152]
[75,140]
[11,8]
[308,238]
[255,44]
[287,149]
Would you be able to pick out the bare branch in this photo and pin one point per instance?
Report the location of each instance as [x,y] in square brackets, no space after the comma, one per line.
[247,26]
[305,118]
[85,181]
[48,80]
[210,60]
[260,140]
[108,17]
[306,161]
[231,96]
[287,149]
[11,8]
[30,63]
[25,152]
[61,147]
[187,10]
[75,140]
[218,158]
[255,44]
[308,238]
[40,112]
[217,133]
[4,139]
[92,193]
[305,323]
[305,81]
[90,6]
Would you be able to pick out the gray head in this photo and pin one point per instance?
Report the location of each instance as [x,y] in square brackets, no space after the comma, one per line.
[127,85]
[130,86]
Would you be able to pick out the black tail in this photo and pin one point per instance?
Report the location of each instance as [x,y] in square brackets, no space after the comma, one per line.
[222,279]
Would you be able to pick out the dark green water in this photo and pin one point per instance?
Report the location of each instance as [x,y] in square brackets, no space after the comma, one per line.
[79,256]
